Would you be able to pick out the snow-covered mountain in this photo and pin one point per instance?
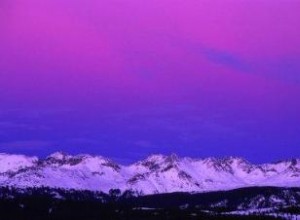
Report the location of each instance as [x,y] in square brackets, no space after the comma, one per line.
[155,174]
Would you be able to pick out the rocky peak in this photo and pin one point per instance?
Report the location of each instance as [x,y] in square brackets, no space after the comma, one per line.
[290,164]
[159,162]
[61,158]
[226,164]
[152,162]
[10,162]
[172,159]
[238,160]
[58,156]
[295,162]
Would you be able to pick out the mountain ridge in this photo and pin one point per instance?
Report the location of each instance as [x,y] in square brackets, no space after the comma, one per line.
[156,174]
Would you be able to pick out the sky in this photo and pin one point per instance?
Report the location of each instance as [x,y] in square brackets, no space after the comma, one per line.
[129,78]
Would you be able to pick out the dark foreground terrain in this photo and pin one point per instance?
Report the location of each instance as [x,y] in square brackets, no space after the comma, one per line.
[247,203]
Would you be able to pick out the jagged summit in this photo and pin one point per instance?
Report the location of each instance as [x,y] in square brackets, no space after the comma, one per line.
[58,155]
[13,162]
[156,174]
[292,162]
[84,160]
[162,158]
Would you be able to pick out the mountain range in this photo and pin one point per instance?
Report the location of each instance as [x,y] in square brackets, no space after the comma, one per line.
[154,175]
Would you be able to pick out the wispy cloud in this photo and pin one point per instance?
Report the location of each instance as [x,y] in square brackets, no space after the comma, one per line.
[82,141]
[283,68]
[225,58]
[4,125]
[25,145]
[32,113]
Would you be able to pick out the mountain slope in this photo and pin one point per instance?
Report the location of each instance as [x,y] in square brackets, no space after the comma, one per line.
[155,174]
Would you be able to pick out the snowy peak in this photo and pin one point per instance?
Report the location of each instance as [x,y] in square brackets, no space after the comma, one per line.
[290,163]
[160,162]
[225,161]
[81,160]
[155,174]
[13,163]
[172,159]
[60,158]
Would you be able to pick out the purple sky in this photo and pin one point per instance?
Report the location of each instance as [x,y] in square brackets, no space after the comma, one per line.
[128,78]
